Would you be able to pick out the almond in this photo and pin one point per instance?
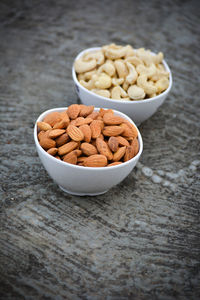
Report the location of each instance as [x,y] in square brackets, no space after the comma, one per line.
[122,141]
[66,148]
[119,154]
[112,130]
[75,133]
[93,115]
[102,111]
[87,132]
[114,163]
[44,126]
[53,118]
[111,119]
[58,157]
[96,160]
[54,133]
[96,127]
[129,153]
[52,151]
[81,159]
[47,143]
[41,134]
[88,149]
[63,123]
[81,121]
[113,143]
[103,148]
[135,146]
[63,139]
[77,152]
[131,132]
[73,111]
[86,110]
[70,158]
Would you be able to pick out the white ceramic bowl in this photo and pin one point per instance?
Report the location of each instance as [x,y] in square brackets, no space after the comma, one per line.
[78,180]
[138,111]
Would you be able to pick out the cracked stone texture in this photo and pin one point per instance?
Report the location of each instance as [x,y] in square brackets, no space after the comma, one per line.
[141,240]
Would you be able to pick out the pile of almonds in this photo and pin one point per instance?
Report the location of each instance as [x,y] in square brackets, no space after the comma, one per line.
[84,137]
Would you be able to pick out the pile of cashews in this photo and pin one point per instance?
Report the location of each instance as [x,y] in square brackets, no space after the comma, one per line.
[122,73]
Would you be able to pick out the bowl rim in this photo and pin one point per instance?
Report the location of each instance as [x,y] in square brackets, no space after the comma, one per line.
[41,117]
[120,101]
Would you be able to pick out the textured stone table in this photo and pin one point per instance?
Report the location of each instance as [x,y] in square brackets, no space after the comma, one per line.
[141,240]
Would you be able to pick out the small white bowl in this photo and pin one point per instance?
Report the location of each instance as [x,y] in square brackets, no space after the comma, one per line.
[138,111]
[78,180]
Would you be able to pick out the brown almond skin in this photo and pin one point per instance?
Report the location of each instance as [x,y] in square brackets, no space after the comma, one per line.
[119,154]
[87,132]
[111,119]
[103,148]
[75,133]
[88,149]
[103,111]
[122,141]
[53,118]
[73,111]
[47,143]
[135,145]
[54,133]
[66,148]
[70,158]
[86,110]
[44,126]
[63,123]
[63,139]
[93,115]
[129,153]
[58,157]
[114,163]
[96,161]
[96,127]
[81,159]
[129,129]
[52,151]
[112,130]
[113,143]
[41,134]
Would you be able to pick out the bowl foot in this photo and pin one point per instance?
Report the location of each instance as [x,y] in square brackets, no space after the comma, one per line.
[81,194]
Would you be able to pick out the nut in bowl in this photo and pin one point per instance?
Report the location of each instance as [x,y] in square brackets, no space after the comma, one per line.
[87,150]
[133,81]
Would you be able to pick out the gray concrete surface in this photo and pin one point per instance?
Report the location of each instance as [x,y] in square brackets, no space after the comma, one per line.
[141,240]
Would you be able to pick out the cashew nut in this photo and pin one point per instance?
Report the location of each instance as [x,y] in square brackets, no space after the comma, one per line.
[108,67]
[121,68]
[81,66]
[135,60]
[132,76]
[129,51]
[158,58]
[145,56]
[160,74]
[103,82]
[103,93]
[125,85]
[162,84]
[98,55]
[89,84]
[136,93]
[149,71]
[117,92]
[117,81]
[115,53]
[121,72]
[147,87]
